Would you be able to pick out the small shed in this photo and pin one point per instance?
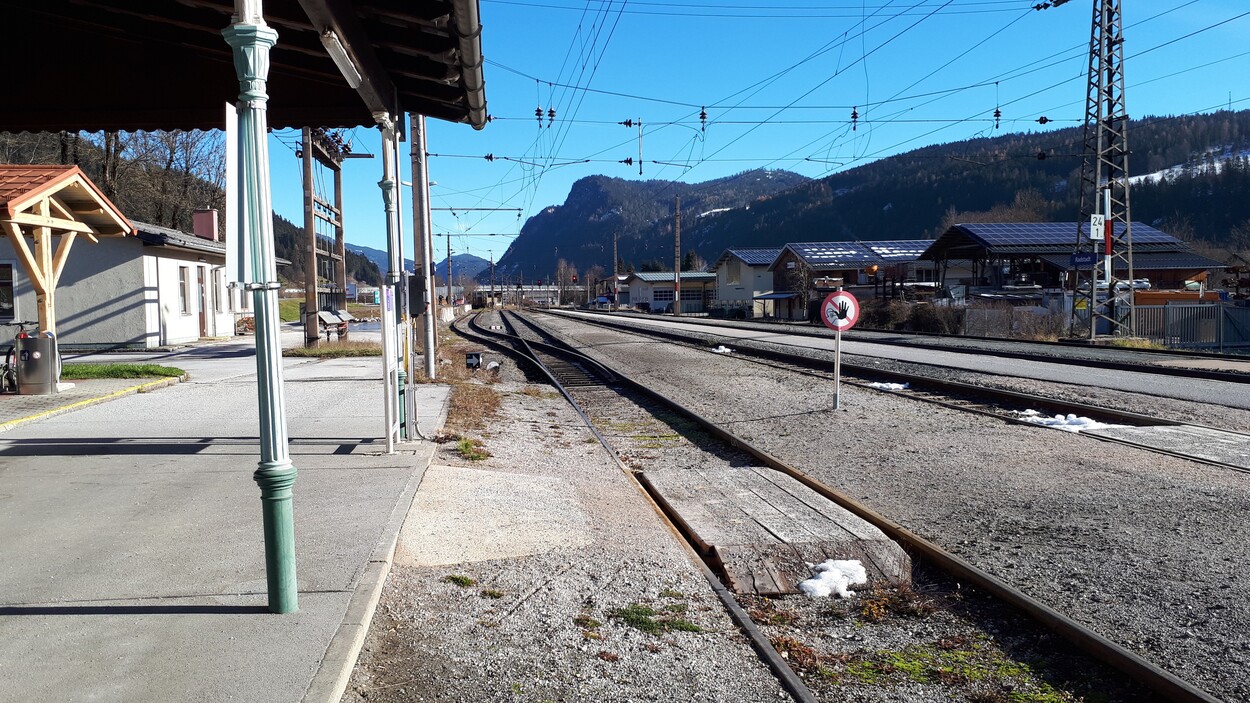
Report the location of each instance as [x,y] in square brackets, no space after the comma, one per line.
[52,206]
[654,290]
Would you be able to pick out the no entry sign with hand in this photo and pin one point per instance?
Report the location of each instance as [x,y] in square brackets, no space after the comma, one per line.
[840,311]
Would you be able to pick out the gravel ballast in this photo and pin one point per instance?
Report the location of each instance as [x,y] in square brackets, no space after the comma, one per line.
[1143,548]
[517,578]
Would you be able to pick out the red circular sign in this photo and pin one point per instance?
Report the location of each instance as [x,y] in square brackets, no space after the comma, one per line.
[840,311]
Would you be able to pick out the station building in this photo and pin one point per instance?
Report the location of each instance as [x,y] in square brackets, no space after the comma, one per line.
[654,291]
[803,273]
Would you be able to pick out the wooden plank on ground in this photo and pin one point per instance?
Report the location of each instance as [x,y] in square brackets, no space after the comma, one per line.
[768,530]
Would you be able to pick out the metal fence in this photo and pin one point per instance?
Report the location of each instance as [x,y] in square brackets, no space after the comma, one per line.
[1195,326]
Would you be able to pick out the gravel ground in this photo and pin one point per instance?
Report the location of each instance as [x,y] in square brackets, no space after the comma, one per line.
[514,572]
[1145,549]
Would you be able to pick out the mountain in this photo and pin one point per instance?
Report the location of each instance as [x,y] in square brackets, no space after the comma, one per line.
[1198,189]
[377,256]
[639,213]
[288,243]
[463,266]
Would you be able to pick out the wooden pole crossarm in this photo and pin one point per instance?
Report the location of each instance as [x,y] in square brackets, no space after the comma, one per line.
[28,259]
[62,253]
[31,220]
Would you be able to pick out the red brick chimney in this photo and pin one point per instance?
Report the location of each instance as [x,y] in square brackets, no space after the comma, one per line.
[204,224]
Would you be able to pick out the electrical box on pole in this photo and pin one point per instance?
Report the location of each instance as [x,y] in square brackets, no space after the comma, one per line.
[1103,295]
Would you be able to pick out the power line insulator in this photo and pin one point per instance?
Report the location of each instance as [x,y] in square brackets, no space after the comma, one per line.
[489,157]
[551,115]
[703,118]
[627,123]
[1043,119]
[538,112]
[855,118]
[998,116]
[628,161]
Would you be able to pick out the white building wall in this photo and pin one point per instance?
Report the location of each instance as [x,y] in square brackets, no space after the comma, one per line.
[100,298]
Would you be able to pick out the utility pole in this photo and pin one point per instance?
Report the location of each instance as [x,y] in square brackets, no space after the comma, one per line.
[423,241]
[321,147]
[492,279]
[1104,183]
[616,280]
[450,299]
[677,264]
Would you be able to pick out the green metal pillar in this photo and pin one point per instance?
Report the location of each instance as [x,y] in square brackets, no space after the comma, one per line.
[251,39]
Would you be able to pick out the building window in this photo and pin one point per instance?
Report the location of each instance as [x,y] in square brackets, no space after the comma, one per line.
[734,271]
[184,290]
[662,296]
[690,294]
[8,301]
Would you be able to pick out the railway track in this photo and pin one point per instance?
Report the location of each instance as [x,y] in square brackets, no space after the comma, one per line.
[1069,353]
[523,334]
[1186,440]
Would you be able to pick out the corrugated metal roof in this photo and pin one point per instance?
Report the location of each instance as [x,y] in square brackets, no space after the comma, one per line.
[163,236]
[755,257]
[824,255]
[667,276]
[1015,236]
[902,250]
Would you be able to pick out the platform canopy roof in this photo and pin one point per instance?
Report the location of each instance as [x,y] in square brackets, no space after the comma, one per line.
[123,65]
[983,240]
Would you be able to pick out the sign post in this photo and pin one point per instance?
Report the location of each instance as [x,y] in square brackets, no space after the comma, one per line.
[840,311]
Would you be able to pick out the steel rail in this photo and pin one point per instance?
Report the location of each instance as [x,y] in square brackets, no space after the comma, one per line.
[1228,376]
[1133,665]
[759,641]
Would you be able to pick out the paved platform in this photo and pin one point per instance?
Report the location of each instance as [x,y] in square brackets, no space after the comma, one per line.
[131,562]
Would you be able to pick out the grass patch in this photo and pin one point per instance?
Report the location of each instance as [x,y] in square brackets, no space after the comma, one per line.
[288,309]
[899,602]
[336,350]
[645,619]
[586,622]
[470,405]
[493,594]
[78,371]
[980,670]
[471,449]
[459,580]
[1135,343]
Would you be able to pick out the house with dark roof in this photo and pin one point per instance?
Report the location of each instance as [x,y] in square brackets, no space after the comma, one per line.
[742,274]
[1023,255]
[804,272]
[654,290]
[156,288]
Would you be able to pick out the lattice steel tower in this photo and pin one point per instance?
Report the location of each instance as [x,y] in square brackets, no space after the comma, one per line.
[1105,286]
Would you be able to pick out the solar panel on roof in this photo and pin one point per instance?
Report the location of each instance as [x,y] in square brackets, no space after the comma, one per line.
[1004,234]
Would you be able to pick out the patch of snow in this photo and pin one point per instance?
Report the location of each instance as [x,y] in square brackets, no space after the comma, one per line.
[888,386]
[835,576]
[713,212]
[722,349]
[1069,423]
[1213,159]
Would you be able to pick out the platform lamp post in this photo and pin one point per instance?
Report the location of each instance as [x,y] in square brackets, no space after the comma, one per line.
[251,39]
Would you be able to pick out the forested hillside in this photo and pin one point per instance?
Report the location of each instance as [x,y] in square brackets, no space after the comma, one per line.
[161,178]
[1019,176]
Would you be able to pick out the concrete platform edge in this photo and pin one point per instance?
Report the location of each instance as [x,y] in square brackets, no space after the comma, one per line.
[141,388]
[330,682]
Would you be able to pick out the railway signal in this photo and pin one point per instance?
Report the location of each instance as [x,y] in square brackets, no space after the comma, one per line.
[840,311]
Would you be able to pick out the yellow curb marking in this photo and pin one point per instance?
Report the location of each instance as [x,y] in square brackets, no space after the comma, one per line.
[91,401]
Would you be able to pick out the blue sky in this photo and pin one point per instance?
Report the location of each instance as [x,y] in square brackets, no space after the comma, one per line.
[779,81]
